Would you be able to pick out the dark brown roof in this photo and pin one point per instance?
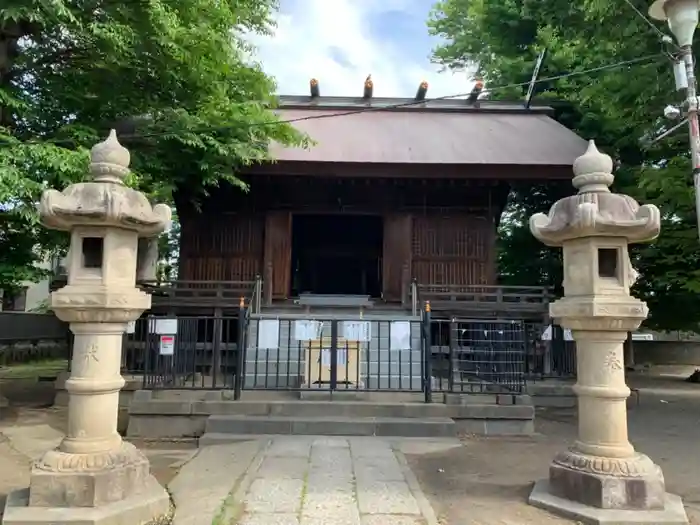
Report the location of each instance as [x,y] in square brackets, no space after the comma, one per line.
[434,132]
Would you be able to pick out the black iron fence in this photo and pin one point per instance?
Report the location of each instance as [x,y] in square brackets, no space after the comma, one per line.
[551,356]
[187,352]
[302,353]
[479,356]
[331,353]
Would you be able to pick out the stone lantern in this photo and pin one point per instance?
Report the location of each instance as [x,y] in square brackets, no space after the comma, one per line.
[601,478]
[93,476]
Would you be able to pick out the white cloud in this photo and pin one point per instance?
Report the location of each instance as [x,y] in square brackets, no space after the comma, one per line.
[306,37]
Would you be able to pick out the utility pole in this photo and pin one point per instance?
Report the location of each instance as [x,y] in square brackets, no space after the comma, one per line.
[682,17]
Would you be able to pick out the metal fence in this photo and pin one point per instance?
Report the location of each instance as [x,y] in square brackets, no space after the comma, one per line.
[554,358]
[300,353]
[188,352]
[330,353]
[479,356]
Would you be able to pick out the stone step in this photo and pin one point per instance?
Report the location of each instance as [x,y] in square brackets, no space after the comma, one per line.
[327,408]
[331,426]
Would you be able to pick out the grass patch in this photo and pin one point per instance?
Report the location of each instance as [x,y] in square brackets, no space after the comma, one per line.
[34,370]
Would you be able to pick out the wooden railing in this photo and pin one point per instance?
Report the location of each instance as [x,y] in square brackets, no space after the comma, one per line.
[222,294]
[508,299]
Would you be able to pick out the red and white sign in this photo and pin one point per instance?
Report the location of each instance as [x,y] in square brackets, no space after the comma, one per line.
[167,345]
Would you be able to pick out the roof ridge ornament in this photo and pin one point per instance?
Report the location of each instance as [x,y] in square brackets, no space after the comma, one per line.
[593,171]
[109,160]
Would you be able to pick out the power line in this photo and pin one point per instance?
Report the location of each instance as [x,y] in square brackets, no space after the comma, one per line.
[376,108]
[664,37]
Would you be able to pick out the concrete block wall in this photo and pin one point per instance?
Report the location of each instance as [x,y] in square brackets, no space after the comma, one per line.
[379,368]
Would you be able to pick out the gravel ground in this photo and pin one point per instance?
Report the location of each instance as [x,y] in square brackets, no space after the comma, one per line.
[487,481]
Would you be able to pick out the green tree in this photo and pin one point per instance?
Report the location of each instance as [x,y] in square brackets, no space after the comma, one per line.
[176,78]
[619,108]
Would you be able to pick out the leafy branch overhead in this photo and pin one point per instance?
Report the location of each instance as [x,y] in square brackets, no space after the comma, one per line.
[177,76]
[619,108]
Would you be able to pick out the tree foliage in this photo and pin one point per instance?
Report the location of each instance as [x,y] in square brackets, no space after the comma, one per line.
[620,108]
[176,78]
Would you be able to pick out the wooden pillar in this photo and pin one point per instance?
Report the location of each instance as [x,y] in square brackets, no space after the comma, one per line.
[396,256]
[278,253]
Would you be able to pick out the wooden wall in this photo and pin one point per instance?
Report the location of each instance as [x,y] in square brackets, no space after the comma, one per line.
[448,238]
[228,247]
[457,249]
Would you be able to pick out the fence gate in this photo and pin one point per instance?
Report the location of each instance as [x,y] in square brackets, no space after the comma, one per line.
[329,354]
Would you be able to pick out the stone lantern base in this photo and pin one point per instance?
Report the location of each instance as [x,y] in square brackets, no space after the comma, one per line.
[89,489]
[612,491]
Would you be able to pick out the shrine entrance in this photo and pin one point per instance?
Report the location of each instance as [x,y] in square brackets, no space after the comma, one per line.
[337,254]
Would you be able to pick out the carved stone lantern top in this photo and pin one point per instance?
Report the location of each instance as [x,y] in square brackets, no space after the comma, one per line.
[104,201]
[594,211]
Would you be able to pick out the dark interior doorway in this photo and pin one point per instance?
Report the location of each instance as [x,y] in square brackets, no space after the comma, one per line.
[337,254]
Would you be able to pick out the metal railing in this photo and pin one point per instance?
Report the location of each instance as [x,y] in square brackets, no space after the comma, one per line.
[202,355]
[331,353]
[553,359]
[479,356]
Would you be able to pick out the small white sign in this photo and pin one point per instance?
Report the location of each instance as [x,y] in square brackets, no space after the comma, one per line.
[357,331]
[165,326]
[268,334]
[167,345]
[307,330]
[131,327]
[400,335]
[342,359]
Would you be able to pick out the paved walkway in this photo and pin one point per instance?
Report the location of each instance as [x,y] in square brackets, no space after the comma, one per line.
[324,481]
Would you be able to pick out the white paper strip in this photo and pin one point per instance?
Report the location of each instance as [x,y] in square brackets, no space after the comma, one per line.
[268,334]
[400,335]
[357,331]
[307,330]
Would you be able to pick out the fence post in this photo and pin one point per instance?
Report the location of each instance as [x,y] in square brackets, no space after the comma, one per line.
[405,285]
[147,348]
[267,284]
[427,355]
[240,350]
[451,355]
[334,354]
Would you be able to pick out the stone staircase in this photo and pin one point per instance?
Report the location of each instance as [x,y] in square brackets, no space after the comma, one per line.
[335,418]
[214,418]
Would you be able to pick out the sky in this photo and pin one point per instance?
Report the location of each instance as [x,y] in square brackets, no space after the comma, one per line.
[340,42]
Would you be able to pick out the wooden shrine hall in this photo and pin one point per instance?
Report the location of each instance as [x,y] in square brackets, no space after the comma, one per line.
[393,205]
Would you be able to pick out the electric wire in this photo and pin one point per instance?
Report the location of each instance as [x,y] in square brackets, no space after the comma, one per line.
[664,36]
[487,89]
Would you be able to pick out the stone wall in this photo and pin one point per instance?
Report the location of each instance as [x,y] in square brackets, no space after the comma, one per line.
[667,353]
[27,337]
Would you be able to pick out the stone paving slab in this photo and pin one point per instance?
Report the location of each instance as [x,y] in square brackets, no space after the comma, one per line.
[202,485]
[330,481]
